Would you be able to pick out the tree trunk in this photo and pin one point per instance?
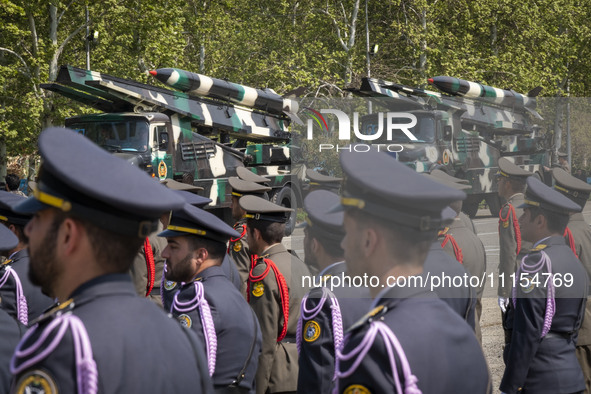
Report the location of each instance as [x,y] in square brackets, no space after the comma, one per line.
[423,54]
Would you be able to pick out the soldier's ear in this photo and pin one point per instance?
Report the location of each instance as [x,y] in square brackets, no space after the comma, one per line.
[70,236]
[315,246]
[256,233]
[369,240]
[12,228]
[541,221]
[201,254]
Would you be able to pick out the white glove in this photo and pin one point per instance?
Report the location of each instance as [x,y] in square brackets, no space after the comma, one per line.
[503,303]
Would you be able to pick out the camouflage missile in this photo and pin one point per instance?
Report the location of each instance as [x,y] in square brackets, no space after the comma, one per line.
[201,85]
[461,87]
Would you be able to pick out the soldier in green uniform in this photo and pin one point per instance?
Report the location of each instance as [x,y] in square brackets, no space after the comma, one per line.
[511,186]
[275,293]
[238,247]
[444,176]
[318,181]
[148,265]
[465,246]
[578,237]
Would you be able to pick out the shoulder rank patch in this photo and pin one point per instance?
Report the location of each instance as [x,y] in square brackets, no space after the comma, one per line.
[380,309]
[311,331]
[55,311]
[237,246]
[356,389]
[36,381]
[185,320]
[169,285]
[539,247]
[258,288]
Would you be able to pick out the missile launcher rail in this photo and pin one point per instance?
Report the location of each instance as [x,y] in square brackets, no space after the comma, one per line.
[473,125]
[187,137]
[112,94]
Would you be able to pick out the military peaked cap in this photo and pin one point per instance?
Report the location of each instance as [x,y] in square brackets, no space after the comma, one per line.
[191,220]
[380,185]
[318,179]
[448,181]
[438,174]
[538,194]
[247,175]
[573,188]
[241,187]
[258,208]
[193,199]
[509,169]
[176,185]
[8,240]
[320,221]
[7,203]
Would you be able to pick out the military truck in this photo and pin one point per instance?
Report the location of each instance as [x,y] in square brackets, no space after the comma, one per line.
[196,139]
[463,131]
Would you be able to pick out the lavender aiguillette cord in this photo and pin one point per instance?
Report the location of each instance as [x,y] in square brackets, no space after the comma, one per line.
[392,344]
[550,301]
[86,371]
[309,314]
[211,342]
[23,309]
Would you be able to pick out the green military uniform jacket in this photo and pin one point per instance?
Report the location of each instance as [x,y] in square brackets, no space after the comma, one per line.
[474,261]
[509,260]
[581,232]
[278,363]
[467,222]
[139,268]
[240,255]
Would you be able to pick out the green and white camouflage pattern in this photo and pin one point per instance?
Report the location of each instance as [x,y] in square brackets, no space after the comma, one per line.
[184,137]
[470,135]
[204,86]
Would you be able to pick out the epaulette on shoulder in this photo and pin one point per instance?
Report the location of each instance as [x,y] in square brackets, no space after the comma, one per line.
[316,293]
[538,248]
[56,311]
[376,312]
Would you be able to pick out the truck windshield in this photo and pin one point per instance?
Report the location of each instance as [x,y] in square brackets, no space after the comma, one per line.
[118,136]
[424,130]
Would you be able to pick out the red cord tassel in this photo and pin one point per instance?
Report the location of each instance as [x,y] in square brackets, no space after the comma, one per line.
[283,289]
[515,224]
[150,265]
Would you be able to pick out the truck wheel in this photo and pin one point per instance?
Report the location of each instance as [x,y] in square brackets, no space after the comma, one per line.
[286,198]
[494,204]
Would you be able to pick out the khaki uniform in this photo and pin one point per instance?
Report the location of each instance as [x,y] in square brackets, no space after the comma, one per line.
[474,261]
[509,260]
[467,222]
[582,235]
[139,269]
[239,253]
[278,363]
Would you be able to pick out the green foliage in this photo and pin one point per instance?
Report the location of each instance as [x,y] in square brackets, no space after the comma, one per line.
[287,44]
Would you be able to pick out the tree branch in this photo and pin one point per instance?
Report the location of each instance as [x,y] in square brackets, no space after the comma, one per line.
[336,25]
[27,72]
[59,18]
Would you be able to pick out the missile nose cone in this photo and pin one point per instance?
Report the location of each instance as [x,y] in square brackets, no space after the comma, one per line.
[430,81]
[153,73]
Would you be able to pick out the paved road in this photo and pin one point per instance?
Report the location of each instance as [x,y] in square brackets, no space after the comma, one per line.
[492,331]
